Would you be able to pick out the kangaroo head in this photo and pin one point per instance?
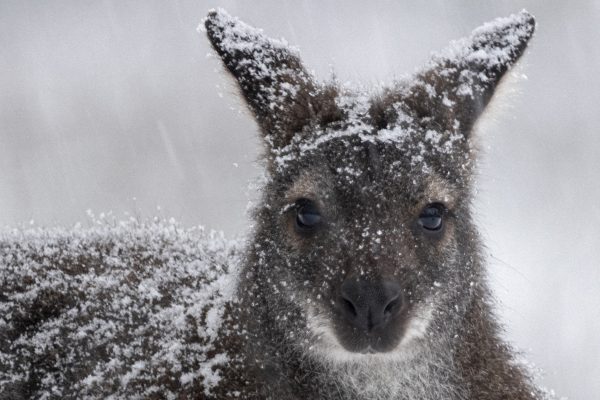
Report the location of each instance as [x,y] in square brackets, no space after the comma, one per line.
[365,242]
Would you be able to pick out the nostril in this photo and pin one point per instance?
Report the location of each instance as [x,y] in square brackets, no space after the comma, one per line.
[349,294]
[392,298]
[349,307]
[392,307]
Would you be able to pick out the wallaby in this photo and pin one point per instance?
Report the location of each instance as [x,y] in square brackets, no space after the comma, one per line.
[363,278]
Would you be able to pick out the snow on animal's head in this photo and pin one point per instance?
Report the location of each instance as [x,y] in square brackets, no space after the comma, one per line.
[365,238]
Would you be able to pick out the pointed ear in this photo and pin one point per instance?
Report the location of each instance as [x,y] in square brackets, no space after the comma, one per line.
[455,87]
[277,88]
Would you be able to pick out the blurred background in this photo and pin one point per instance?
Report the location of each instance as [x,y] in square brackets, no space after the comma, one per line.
[113,106]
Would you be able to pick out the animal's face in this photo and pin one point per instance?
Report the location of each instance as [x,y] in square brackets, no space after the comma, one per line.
[367,234]
[365,241]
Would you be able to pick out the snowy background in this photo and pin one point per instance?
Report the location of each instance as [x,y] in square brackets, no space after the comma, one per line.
[113,106]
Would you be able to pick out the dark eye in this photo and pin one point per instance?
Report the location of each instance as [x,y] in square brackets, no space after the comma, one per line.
[430,218]
[308,217]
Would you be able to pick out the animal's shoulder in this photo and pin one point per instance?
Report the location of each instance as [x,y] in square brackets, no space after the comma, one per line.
[125,309]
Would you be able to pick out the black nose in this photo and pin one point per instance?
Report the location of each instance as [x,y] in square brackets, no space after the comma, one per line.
[370,305]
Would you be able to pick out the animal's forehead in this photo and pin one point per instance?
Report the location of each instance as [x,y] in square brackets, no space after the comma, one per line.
[401,138]
[367,171]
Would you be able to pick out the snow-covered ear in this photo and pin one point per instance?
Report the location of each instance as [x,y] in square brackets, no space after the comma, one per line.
[280,92]
[454,88]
